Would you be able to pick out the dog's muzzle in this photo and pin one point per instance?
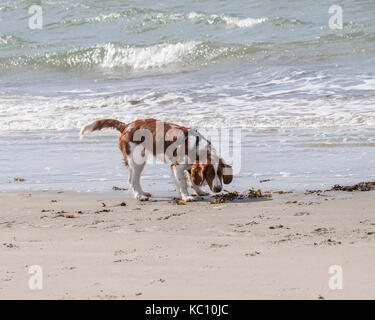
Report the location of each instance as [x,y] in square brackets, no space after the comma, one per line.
[217,189]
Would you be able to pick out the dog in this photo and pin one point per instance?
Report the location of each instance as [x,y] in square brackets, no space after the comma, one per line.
[192,158]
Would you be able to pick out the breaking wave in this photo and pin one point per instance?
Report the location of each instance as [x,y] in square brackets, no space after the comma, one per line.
[132,58]
[224,19]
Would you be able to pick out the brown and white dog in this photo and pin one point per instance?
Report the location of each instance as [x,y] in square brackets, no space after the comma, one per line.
[192,158]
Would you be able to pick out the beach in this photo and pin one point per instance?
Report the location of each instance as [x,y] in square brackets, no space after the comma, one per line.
[89,246]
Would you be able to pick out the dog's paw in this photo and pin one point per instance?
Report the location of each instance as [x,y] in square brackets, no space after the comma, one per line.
[198,198]
[141,197]
[189,199]
[147,194]
[202,193]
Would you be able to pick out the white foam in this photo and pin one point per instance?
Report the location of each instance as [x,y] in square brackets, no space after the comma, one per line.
[228,20]
[195,15]
[367,84]
[35,113]
[104,17]
[5,39]
[242,23]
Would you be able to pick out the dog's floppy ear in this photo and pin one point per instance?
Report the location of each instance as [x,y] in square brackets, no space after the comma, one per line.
[197,174]
[227,173]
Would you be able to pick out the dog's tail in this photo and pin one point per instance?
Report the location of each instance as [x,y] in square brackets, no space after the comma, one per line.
[102,124]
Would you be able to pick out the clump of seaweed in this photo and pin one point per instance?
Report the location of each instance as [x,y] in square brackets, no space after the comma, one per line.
[64,215]
[283,192]
[230,196]
[258,194]
[362,186]
[217,201]
[226,196]
[114,188]
[178,202]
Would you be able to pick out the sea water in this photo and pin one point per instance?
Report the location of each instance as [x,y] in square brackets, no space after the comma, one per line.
[300,90]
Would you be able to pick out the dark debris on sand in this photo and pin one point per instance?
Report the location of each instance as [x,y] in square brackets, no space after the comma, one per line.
[362,186]
[230,196]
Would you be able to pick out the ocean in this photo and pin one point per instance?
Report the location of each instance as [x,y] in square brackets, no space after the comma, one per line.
[300,89]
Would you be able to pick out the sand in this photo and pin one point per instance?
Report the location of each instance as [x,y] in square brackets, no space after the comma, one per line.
[259,249]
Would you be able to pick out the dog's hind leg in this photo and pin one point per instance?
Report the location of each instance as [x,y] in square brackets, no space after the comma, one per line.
[130,178]
[135,170]
[135,182]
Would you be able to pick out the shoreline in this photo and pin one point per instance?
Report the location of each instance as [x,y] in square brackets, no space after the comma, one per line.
[276,249]
[63,162]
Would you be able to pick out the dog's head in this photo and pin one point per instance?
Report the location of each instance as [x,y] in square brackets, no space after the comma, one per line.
[215,174]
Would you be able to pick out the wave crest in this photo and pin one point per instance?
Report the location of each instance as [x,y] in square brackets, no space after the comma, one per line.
[111,56]
[224,19]
[147,57]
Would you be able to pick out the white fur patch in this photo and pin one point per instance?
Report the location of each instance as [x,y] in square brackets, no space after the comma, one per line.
[216,183]
[87,129]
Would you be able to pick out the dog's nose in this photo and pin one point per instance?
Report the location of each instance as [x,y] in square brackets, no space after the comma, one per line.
[217,189]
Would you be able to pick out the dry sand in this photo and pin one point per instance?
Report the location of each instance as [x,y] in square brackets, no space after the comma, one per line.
[277,249]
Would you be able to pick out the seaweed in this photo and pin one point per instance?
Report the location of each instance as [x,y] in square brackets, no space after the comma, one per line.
[361,186]
[230,196]
[178,202]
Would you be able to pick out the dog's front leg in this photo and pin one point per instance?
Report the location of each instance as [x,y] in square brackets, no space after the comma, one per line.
[178,172]
[190,184]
